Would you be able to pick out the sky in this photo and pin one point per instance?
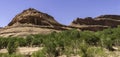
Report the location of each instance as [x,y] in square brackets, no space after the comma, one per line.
[64,11]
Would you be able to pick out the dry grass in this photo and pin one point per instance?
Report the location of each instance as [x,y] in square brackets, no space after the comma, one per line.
[24,50]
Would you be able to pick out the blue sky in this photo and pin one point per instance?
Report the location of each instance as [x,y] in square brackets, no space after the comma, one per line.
[64,11]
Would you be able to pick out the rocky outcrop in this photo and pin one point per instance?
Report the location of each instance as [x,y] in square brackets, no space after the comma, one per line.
[98,23]
[31,21]
[115,17]
[35,17]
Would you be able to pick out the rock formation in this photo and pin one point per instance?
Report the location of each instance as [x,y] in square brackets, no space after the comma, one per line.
[35,17]
[31,21]
[115,17]
[98,23]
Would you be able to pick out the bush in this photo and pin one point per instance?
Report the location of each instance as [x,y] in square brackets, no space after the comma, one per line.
[29,40]
[40,53]
[22,42]
[37,40]
[90,37]
[12,46]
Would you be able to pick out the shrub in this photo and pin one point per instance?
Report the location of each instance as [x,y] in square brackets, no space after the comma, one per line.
[12,46]
[29,40]
[37,40]
[40,53]
[90,37]
[83,49]
[22,42]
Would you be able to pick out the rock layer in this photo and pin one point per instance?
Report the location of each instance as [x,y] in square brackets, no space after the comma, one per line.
[100,23]
[35,17]
[32,21]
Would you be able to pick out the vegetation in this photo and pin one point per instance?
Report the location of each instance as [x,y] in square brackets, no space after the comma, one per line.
[11,55]
[12,46]
[71,42]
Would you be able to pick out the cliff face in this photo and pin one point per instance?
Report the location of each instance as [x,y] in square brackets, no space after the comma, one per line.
[103,21]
